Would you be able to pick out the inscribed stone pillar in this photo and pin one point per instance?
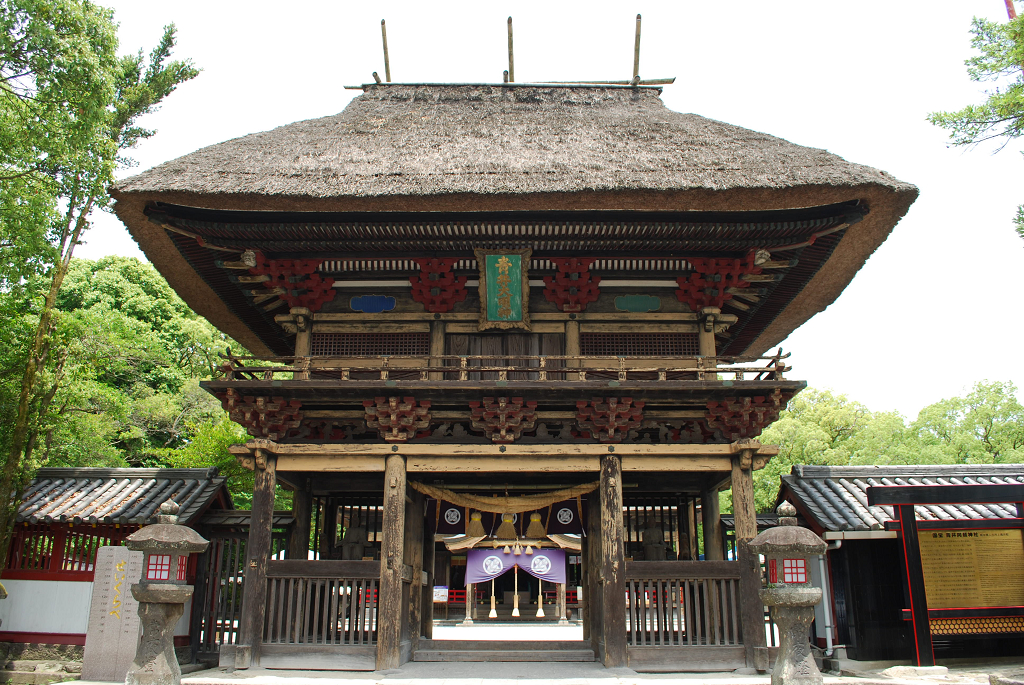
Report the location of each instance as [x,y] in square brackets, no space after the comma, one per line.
[114,628]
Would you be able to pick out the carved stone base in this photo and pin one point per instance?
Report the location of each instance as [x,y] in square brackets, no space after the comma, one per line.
[795,664]
[155,662]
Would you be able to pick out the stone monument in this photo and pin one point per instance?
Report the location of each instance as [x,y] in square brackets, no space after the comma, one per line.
[653,538]
[354,542]
[789,549]
[161,594]
[113,633]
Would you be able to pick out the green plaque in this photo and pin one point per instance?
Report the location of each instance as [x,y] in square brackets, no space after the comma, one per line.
[504,288]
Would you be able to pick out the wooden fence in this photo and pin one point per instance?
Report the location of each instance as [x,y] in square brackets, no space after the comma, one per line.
[322,603]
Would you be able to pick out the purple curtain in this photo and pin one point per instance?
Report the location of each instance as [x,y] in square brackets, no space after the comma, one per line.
[484,564]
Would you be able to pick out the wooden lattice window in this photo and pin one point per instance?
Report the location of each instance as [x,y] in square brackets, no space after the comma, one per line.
[639,344]
[369,344]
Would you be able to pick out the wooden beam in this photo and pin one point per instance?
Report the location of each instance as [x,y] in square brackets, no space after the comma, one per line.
[467,317]
[373,327]
[631,327]
[351,449]
[390,609]
[945,494]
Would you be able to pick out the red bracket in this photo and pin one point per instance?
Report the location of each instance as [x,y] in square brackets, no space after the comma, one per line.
[504,420]
[397,419]
[302,286]
[437,288]
[706,286]
[262,417]
[572,288]
[609,419]
[740,418]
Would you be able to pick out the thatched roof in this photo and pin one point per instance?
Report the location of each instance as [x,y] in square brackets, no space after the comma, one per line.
[511,148]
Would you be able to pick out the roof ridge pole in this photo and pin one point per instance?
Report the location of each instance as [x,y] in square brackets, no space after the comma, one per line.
[636,54]
[387,62]
[511,62]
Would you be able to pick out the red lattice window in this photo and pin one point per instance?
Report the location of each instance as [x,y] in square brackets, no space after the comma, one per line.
[794,571]
[369,344]
[639,344]
[773,574]
[182,566]
[159,567]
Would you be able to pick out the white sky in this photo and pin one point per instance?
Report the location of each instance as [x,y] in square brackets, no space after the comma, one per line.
[932,312]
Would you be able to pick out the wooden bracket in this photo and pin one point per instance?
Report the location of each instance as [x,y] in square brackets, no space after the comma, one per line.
[572,288]
[437,287]
[397,419]
[263,417]
[609,419]
[707,285]
[503,420]
[745,417]
[303,287]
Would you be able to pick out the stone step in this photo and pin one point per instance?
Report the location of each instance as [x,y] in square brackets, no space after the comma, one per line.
[497,655]
[35,677]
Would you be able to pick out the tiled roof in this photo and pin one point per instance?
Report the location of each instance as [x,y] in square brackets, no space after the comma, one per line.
[124,496]
[836,497]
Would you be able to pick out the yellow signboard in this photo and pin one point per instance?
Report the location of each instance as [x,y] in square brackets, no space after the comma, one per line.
[973,568]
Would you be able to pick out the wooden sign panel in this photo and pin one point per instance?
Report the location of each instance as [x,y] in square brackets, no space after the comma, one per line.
[504,288]
[973,568]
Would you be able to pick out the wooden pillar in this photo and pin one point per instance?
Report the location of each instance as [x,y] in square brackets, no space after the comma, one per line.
[911,549]
[303,336]
[298,540]
[712,522]
[468,621]
[706,331]
[585,571]
[745,516]
[594,628]
[390,611]
[415,516]
[437,332]
[613,564]
[561,604]
[572,346]
[257,554]
[427,602]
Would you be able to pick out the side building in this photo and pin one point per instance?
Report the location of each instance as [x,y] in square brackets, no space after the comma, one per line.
[506,298]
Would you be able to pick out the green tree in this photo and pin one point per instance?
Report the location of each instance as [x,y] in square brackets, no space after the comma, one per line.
[999,62]
[985,426]
[69,112]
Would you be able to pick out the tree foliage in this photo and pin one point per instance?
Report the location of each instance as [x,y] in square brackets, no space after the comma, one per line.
[69,112]
[999,63]
[983,426]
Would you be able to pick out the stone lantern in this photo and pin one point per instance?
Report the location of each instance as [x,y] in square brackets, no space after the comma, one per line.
[162,594]
[788,550]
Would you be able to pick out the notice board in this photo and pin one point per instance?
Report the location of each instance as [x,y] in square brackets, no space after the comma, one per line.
[973,568]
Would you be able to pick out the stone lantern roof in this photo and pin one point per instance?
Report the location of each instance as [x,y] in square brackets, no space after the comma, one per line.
[166,535]
[787,537]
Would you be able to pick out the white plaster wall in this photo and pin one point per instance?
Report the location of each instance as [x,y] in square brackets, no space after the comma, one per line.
[46,606]
[55,606]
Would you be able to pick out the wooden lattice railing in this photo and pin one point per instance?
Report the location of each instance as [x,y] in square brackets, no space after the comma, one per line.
[507,368]
[322,602]
[683,603]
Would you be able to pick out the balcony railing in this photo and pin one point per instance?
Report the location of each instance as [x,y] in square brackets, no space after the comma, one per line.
[505,368]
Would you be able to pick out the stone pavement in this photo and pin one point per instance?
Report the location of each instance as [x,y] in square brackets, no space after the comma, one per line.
[415,673]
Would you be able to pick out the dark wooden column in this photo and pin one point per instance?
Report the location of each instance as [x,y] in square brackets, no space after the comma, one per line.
[584,601]
[593,627]
[389,611]
[429,565]
[710,514]
[298,540]
[915,583]
[415,516]
[613,564]
[745,516]
[257,553]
